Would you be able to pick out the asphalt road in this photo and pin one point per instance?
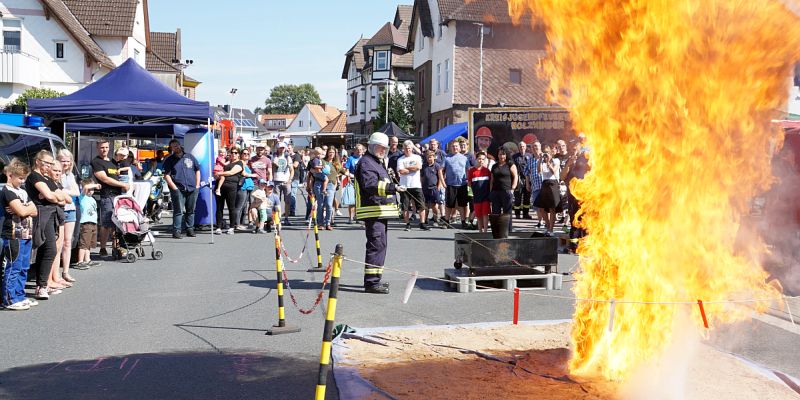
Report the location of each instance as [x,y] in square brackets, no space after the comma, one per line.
[192,326]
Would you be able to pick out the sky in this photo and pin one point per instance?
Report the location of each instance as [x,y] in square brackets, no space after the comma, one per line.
[255,45]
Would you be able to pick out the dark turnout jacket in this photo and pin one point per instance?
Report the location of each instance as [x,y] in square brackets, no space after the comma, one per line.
[374,190]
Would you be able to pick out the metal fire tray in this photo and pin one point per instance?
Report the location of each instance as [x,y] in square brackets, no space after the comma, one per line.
[487,256]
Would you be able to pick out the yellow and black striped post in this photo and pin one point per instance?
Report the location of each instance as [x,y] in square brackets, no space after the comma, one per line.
[281,327]
[327,334]
[316,236]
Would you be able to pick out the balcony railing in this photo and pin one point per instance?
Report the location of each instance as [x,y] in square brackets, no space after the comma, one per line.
[18,67]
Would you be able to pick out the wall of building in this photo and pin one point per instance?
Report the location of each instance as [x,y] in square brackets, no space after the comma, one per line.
[443,45]
[38,39]
[422,100]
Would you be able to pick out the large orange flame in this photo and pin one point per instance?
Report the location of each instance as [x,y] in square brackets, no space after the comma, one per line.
[675,98]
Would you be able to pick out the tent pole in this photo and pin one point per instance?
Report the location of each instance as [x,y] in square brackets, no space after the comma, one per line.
[211,162]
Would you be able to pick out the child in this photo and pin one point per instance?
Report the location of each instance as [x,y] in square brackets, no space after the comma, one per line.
[88,229]
[264,201]
[17,232]
[479,177]
[432,181]
[219,166]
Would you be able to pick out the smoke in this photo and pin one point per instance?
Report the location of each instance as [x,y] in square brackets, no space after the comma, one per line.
[779,225]
[666,377]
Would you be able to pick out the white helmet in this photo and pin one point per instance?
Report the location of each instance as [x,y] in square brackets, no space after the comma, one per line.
[379,138]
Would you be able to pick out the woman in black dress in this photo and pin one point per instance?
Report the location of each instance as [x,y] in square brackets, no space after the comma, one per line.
[505,179]
[233,173]
[550,195]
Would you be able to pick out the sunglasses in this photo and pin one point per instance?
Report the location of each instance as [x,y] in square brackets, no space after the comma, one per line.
[234,152]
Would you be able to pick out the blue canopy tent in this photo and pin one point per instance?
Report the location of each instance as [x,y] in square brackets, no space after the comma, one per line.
[128,94]
[131,95]
[447,134]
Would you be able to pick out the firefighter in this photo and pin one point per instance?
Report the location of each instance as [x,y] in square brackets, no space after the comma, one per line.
[375,205]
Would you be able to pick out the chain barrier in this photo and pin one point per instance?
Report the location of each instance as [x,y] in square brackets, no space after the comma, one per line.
[319,295]
[307,232]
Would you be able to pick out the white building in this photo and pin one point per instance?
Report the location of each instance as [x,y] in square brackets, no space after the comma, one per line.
[309,121]
[66,44]
[374,64]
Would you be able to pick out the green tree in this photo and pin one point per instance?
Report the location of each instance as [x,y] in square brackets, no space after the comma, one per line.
[290,99]
[36,93]
[401,109]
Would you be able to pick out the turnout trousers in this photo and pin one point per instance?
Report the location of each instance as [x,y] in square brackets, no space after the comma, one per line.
[522,201]
[377,241]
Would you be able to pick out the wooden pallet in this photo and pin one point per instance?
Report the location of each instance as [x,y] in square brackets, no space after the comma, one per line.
[469,284]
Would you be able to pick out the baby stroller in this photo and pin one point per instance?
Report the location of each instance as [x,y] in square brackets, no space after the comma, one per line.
[132,229]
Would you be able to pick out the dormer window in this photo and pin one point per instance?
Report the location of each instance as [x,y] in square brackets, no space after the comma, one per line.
[381,60]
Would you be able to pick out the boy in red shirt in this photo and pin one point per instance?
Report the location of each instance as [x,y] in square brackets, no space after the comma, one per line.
[478,178]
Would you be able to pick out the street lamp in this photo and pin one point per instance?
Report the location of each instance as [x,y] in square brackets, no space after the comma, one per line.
[181,66]
[480,84]
[230,113]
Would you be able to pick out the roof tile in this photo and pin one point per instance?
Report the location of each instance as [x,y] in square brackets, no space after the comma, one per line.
[490,11]
[163,49]
[105,17]
[337,125]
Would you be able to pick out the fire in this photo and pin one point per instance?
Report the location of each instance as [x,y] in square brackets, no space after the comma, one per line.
[675,98]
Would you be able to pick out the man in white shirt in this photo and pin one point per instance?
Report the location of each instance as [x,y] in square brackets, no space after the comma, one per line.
[282,174]
[408,167]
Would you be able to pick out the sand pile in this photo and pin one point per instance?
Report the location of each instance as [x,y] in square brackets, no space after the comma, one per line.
[520,362]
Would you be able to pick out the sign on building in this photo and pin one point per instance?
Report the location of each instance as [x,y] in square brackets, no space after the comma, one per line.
[491,128]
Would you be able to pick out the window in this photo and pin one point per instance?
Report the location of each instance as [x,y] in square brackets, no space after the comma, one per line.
[22,147]
[301,123]
[187,93]
[515,76]
[353,103]
[421,85]
[60,50]
[382,61]
[12,40]
[446,75]
[136,55]
[438,78]
[420,40]
[441,28]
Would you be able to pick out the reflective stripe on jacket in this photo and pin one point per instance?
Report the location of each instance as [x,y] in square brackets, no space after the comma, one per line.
[374,190]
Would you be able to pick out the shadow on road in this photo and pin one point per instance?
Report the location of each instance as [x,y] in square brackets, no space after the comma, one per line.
[179,375]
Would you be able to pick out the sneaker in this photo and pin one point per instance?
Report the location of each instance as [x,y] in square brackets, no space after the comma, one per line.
[18,306]
[464,225]
[424,227]
[31,302]
[381,288]
[286,222]
[94,263]
[176,235]
[230,231]
[218,231]
[52,291]
[338,213]
[81,266]
[408,227]
[259,230]
[103,253]
[41,294]
[190,233]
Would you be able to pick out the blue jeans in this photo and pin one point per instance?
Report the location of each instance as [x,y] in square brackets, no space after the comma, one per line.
[293,197]
[183,203]
[324,199]
[17,254]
